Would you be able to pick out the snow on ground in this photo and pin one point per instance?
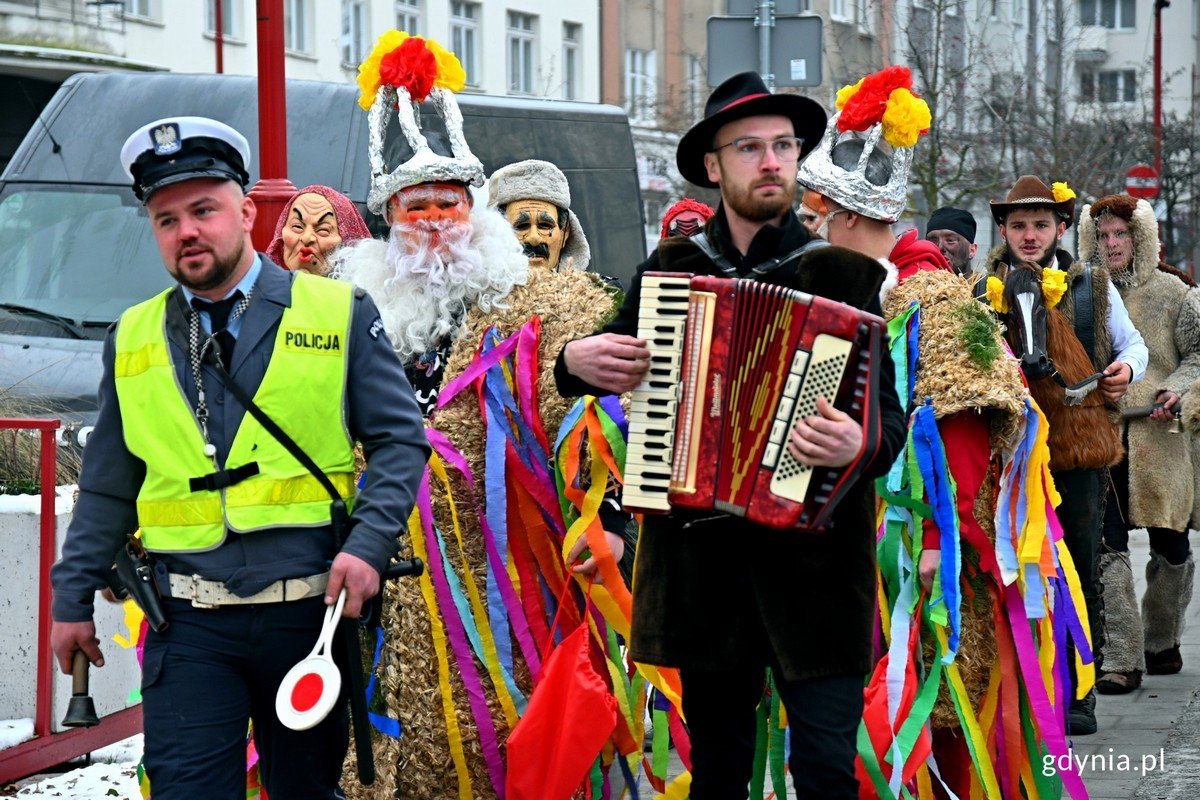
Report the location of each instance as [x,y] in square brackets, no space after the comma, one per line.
[112,774]
[15,731]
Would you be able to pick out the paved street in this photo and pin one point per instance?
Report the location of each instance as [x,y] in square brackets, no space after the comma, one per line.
[1157,728]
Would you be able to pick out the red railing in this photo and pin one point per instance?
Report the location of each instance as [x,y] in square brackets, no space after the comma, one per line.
[48,748]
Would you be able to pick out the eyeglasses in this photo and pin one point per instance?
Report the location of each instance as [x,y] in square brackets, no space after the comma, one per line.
[751,149]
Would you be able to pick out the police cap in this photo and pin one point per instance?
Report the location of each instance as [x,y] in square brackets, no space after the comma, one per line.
[179,149]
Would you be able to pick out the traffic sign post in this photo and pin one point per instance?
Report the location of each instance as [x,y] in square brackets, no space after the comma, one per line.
[795,60]
[1142,182]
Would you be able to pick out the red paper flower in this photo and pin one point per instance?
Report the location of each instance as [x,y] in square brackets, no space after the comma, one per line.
[866,106]
[411,66]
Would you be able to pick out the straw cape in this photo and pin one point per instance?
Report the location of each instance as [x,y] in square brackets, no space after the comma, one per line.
[999,571]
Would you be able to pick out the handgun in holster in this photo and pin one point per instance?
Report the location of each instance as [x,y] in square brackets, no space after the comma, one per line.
[132,576]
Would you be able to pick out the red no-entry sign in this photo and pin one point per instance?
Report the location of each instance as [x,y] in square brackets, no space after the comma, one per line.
[1142,181]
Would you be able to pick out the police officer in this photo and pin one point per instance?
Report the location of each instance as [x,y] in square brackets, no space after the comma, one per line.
[245,554]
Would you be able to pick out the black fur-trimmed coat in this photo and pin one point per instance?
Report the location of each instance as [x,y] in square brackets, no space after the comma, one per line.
[714,591]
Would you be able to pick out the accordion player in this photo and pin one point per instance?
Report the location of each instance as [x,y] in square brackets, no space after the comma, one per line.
[734,364]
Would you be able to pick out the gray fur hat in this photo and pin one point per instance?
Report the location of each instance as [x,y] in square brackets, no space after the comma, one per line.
[541,180]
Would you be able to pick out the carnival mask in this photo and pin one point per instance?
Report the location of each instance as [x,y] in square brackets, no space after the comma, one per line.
[536,224]
[310,234]
[686,223]
[431,202]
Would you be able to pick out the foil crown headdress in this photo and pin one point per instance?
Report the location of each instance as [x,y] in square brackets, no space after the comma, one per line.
[880,106]
[400,73]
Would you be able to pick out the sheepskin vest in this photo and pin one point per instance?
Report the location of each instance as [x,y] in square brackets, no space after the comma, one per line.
[1166,311]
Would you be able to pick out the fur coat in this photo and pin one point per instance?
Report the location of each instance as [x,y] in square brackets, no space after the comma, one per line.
[1166,311]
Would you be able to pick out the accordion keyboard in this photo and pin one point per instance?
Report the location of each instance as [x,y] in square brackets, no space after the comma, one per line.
[653,404]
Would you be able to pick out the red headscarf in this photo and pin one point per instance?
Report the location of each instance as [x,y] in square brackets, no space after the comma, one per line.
[686,204]
[351,226]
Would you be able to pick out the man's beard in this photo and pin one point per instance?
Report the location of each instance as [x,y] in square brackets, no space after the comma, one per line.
[755,209]
[217,274]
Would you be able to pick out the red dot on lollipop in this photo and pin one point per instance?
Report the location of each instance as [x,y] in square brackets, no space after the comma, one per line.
[307,692]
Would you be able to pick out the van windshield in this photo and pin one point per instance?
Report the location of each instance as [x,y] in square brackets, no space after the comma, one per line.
[80,253]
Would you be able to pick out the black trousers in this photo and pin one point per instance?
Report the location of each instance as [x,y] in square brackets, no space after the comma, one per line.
[823,717]
[1170,544]
[212,672]
[1081,514]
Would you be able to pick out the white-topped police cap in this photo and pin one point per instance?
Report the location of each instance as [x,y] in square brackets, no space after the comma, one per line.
[176,149]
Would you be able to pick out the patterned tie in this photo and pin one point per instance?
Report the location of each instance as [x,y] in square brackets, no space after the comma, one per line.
[218,314]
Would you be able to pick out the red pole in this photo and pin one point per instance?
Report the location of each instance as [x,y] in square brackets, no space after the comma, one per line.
[273,189]
[1159,5]
[219,35]
[47,550]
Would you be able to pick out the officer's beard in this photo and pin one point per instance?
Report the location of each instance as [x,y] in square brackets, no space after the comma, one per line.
[217,274]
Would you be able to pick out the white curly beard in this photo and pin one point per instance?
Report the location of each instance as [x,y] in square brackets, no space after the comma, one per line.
[424,285]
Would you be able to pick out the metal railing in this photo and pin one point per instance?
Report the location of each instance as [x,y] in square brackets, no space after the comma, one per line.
[48,748]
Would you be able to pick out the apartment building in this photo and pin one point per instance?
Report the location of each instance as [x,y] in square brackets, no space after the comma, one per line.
[543,48]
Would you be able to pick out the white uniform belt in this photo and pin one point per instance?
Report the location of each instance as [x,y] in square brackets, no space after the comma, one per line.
[213,594]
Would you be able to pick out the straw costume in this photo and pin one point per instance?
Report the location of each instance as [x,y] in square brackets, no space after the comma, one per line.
[966,697]
[461,649]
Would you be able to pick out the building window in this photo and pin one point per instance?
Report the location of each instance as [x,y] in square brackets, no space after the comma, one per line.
[229,17]
[464,37]
[1018,8]
[140,8]
[571,64]
[408,16]
[1110,86]
[295,26]
[841,10]
[1113,14]
[354,31]
[641,85]
[697,88]
[520,52]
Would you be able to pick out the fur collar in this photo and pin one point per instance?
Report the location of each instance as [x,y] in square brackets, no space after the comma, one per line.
[1144,229]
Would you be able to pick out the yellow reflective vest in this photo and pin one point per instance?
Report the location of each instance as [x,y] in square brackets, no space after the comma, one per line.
[302,390]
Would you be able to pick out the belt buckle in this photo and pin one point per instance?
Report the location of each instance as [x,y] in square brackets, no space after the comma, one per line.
[200,588]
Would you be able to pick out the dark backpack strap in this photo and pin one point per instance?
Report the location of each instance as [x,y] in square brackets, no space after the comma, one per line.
[1085,316]
[700,239]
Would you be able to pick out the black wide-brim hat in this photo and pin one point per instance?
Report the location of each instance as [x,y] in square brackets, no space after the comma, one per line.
[745,95]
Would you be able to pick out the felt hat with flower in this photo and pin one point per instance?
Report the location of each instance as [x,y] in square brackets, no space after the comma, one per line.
[401,72]
[1031,192]
[883,119]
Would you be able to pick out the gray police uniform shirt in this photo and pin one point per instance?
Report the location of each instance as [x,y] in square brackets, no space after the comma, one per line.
[381,413]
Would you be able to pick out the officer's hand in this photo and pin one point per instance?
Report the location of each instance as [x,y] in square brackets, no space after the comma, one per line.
[608,361]
[591,568]
[1115,381]
[67,637]
[928,566]
[829,439]
[360,579]
[1165,413]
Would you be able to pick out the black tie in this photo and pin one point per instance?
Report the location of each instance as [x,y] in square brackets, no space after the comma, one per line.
[218,314]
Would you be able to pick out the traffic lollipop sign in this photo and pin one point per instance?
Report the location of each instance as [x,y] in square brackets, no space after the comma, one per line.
[310,689]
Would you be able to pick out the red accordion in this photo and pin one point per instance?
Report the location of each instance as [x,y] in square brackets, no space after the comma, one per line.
[734,364]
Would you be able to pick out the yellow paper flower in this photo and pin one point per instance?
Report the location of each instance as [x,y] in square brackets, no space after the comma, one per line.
[995,294]
[905,119]
[451,75]
[1062,191]
[846,92]
[1054,285]
[368,70]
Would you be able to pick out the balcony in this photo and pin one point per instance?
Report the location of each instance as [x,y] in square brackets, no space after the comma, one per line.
[1092,45]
